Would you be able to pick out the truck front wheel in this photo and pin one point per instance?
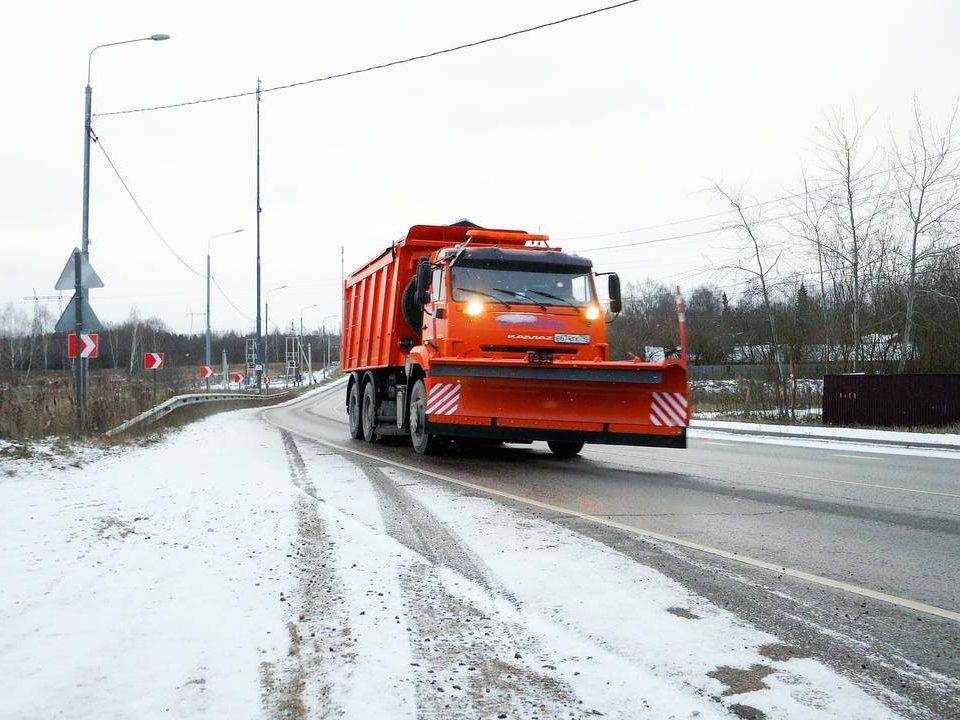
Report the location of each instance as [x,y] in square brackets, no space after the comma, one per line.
[565,449]
[353,411]
[423,443]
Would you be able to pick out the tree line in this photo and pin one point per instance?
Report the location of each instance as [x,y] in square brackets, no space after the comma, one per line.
[28,344]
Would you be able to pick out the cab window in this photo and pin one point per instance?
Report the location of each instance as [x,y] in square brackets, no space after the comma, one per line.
[437,291]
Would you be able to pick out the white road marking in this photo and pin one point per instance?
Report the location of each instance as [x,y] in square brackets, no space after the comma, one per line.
[651,535]
[714,442]
[855,457]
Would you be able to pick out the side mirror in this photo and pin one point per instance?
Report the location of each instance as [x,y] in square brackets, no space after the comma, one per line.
[423,281]
[613,290]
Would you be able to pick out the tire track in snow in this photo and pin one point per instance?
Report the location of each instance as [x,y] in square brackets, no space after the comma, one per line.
[472,658]
[299,685]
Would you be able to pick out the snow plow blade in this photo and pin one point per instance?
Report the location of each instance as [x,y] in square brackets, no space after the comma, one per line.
[611,403]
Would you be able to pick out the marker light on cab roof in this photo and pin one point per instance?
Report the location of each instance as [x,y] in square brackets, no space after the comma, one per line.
[593,313]
[474,307]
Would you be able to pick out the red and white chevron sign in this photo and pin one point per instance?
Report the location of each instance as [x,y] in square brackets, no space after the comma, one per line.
[444,399]
[153,361]
[206,372]
[89,343]
[668,409]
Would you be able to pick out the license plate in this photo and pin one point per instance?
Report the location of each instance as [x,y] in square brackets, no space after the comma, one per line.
[573,339]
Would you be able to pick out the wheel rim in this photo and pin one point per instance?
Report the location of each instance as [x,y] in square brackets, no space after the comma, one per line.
[416,418]
[354,409]
[367,412]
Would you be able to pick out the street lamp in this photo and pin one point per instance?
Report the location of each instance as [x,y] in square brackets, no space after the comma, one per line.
[266,325]
[306,307]
[87,132]
[212,237]
[301,317]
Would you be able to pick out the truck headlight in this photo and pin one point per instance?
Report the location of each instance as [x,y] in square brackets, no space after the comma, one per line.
[474,308]
[593,313]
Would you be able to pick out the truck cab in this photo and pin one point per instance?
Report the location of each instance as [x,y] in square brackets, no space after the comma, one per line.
[491,302]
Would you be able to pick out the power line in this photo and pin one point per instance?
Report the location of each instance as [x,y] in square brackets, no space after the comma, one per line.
[381,66]
[226,297]
[143,212]
[153,227]
[771,201]
[736,226]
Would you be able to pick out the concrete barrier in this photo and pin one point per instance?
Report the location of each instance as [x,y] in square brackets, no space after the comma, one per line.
[178,401]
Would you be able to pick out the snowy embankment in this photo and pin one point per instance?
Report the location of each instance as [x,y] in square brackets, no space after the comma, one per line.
[801,434]
[234,570]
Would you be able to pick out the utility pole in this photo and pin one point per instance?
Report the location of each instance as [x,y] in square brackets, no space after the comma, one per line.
[259,367]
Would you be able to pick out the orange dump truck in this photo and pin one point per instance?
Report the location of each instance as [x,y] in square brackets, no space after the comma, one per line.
[457,331]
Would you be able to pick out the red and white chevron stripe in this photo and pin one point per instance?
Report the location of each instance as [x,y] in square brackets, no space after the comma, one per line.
[444,399]
[669,409]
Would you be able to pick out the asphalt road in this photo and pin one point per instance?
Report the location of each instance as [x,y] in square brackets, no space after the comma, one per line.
[881,521]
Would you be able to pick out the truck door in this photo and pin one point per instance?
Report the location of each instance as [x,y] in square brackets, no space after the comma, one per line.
[435,315]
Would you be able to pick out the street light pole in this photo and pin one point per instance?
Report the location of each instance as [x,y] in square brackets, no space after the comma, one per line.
[207,355]
[259,365]
[85,215]
[327,361]
[306,307]
[266,325]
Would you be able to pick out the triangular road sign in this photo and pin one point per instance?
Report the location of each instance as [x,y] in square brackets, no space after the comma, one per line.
[68,321]
[88,276]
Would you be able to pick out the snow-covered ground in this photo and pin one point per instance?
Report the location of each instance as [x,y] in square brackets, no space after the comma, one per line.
[928,444]
[234,570]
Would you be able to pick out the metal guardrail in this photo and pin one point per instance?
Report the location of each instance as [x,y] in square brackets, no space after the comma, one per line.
[178,401]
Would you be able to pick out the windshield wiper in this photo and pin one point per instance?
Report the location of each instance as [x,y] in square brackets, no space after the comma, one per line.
[484,292]
[552,297]
[518,294]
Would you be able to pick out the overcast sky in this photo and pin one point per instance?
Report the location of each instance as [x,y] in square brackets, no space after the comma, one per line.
[614,122]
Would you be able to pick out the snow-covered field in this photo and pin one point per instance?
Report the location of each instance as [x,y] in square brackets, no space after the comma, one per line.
[232,570]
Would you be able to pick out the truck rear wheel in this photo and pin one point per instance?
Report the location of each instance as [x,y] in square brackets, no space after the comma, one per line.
[368,411]
[423,443]
[353,411]
[565,449]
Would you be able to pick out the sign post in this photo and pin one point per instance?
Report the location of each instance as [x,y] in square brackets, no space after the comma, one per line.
[79,320]
[153,361]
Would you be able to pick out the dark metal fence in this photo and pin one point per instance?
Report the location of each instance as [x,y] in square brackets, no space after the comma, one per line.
[891,400]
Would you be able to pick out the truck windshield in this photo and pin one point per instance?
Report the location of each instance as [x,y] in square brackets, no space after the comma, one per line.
[520,285]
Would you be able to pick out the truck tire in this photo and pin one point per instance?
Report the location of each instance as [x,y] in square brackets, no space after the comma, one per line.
[368,410]
[565,449]
[423,443]
[411,312]
[353,410]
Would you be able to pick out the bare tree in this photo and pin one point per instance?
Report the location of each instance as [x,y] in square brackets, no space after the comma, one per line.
[813,228]
[928,193]
[753,259]
[856,194]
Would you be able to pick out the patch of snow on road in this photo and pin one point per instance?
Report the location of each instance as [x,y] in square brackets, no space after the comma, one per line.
[609,623]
